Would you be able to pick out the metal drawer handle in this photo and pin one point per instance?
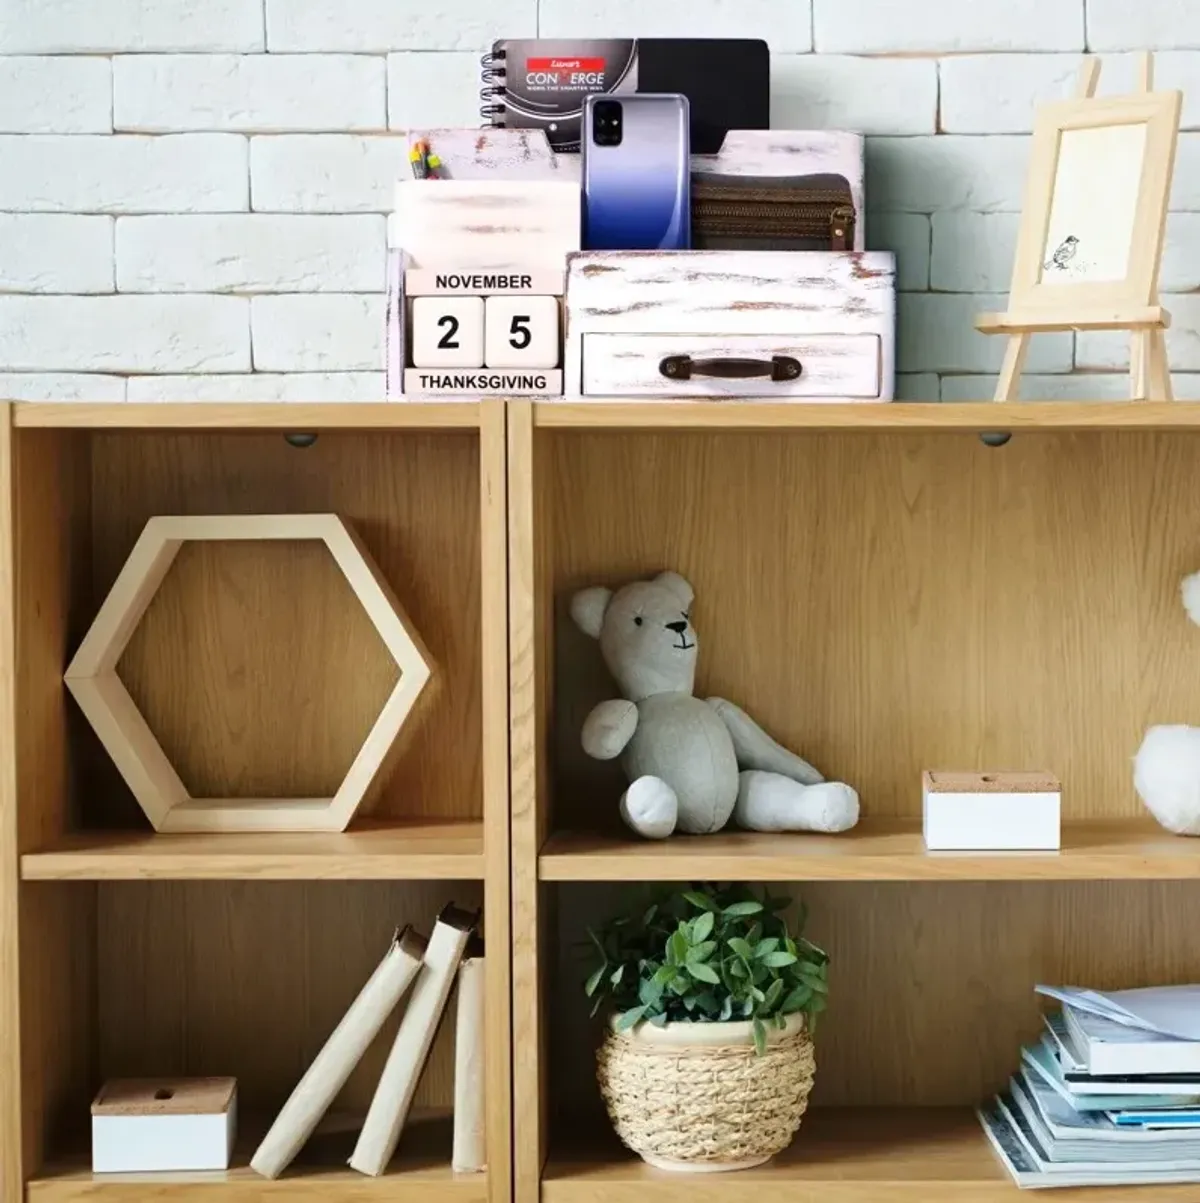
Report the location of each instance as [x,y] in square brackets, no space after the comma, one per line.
[779,368]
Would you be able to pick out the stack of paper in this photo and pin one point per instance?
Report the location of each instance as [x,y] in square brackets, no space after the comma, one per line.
[1109,1096]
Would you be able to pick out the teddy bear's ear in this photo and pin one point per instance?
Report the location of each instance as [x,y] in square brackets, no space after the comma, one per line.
[588,608]
[678,586]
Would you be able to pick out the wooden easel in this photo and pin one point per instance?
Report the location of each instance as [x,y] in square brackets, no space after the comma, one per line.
[1149,373]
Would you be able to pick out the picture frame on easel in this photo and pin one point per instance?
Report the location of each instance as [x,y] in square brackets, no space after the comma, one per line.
[1091,236]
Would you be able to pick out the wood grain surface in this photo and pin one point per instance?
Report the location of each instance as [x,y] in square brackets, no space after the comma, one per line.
[883,602]
[208,415]
[371,851]
[51,515]
[878,849]
[931,984]
[249,978]
[498,1033]
[421,1171]
[759,413]
[128,972]
[11,1179]
[255,665]
[886,603]
[910,1155]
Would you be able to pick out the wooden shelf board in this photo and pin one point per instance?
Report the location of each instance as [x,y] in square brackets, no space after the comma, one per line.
[876,850]
[931,416]
[902,1155]
[75,1183]
[420,1173]
[373,850]
[398,415]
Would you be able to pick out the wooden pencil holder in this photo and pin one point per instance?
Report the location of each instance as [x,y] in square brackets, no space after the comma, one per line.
[475,286]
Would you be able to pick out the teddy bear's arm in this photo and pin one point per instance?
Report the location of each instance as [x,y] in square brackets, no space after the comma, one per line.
[609,728]
[755,749]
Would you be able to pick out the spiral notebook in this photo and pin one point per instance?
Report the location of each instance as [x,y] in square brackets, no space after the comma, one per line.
[540,83]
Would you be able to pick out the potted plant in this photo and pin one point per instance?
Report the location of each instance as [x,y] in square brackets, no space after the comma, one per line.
[707,1062]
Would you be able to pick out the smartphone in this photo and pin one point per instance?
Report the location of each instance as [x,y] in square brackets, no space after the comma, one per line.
[636,173]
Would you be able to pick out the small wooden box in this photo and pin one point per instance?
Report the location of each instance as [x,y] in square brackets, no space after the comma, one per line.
[978,812]
[162,1125]
[791,325]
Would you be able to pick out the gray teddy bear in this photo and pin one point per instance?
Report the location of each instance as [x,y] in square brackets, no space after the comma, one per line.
[691,764]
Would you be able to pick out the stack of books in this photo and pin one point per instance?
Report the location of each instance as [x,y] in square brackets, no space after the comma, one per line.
[1110,1095]
[425,970]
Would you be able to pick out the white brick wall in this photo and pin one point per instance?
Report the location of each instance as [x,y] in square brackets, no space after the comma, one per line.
[125,334]
[317,334]
[872,27]
[185,215]
[166,93]
[251,253]
[786,26]
[123,173]
[113,26]
[55,252]
[325,173]
[873,95]
[382,25]
[52,95]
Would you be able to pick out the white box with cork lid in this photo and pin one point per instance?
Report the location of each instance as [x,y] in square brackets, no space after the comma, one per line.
[162,1125]
[984,812]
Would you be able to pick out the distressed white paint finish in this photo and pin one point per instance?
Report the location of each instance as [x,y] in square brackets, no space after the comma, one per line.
[723,293]
[833,366]
[487,223]
[470,154]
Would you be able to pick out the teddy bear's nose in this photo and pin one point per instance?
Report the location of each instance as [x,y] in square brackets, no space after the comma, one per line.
[677,627]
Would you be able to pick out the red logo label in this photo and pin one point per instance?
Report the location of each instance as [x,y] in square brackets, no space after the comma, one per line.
[564,64]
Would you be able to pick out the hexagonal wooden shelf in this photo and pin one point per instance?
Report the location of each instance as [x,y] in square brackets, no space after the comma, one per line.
[92,677]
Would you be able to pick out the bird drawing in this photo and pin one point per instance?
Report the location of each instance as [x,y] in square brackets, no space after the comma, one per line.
[1064,254]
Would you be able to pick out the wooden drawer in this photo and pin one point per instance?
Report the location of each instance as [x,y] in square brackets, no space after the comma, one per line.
[832,312]
[834,366]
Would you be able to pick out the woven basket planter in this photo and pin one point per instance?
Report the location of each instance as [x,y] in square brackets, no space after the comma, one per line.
[696,1096]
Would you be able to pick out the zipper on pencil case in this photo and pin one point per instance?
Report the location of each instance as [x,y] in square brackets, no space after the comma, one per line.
[767,219]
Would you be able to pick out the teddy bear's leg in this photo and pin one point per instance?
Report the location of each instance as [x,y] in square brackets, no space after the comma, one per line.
[650,807]
[772,802]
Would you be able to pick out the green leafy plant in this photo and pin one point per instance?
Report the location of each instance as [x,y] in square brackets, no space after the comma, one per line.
[708,954]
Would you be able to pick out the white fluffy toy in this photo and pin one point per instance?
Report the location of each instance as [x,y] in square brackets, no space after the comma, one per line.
[1166,770]
[691,764]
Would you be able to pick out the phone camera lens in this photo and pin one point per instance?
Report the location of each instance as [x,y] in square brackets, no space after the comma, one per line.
[606,123]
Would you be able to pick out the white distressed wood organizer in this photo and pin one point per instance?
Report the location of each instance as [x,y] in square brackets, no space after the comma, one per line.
[806,325]
[850,355]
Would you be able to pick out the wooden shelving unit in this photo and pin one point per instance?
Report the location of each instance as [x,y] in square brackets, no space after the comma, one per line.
[882,590]
[129,953]
[885,593]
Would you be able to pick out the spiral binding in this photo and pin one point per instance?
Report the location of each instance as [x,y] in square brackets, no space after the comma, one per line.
[493,75]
